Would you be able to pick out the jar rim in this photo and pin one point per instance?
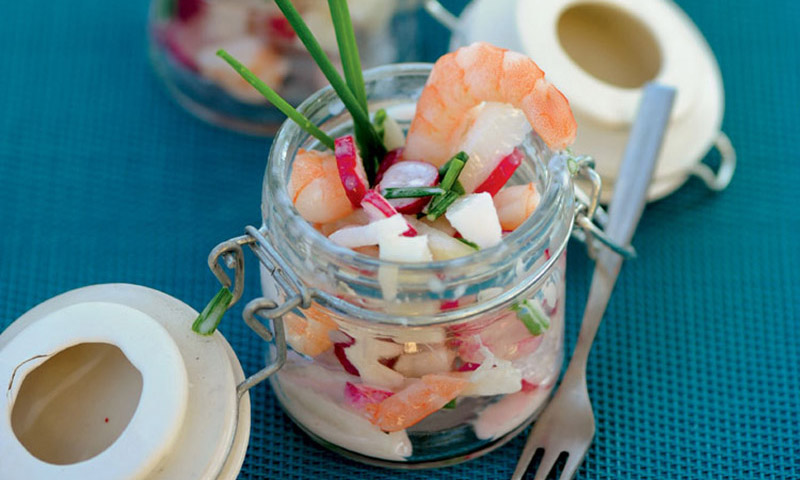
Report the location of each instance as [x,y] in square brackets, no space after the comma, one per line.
[275,193]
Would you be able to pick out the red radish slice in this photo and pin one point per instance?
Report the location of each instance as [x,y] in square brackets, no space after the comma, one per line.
[501,173]
[469,367]
[378,208]
[187,9]
[389,159]
[410,173]
[351,170]
[278,26]
[448,305]
[360,396]
[338,350]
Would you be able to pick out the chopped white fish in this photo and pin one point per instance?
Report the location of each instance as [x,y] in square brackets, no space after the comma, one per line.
[424,359]
[495,376]
[496,130]
[475,218]
[405,249]
[369,234]
[442,245]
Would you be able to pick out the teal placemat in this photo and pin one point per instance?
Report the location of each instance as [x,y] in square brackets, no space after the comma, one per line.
[695,370]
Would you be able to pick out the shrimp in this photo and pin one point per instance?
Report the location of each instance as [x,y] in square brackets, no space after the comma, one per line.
[514,204]
[415,402]
[316,189]
[310,335]
[479,73]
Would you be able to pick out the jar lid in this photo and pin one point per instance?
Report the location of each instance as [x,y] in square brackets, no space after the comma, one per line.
[112,378]
[565,39]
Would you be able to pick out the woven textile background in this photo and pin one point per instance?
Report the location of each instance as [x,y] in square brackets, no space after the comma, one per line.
[696,369]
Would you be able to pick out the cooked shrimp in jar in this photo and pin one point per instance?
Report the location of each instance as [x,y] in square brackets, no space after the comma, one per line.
[479,73]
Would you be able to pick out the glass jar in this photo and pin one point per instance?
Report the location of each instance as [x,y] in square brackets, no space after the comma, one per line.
[415,365]
[186,34]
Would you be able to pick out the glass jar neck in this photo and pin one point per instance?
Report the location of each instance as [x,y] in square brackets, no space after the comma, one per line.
[376,290]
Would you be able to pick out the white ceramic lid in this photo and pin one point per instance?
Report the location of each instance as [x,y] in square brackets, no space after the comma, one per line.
[605,112]
[188,422]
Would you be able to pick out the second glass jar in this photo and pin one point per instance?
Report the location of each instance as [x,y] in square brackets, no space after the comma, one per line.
[186,34]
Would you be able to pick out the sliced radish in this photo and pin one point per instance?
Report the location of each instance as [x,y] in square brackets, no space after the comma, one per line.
[359,396]
[187,9]
[377,208]
[475,218]
[338,350]
[389,159]
[501,173]
[351,170]
[410,173]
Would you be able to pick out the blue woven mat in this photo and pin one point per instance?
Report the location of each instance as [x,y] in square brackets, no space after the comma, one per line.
[695,370]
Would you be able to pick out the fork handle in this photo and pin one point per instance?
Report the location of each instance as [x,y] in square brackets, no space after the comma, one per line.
[626,208]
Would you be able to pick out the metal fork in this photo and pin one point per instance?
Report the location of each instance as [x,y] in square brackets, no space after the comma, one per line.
[567,424]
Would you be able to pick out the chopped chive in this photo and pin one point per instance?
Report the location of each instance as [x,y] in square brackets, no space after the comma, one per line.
[440,204]
[468,243]
[206,323]
[531,316]
[411,192]
[454,170]
[450,405]
[449,173]
[460,156]
[372,149]
[379,122]
[276,100]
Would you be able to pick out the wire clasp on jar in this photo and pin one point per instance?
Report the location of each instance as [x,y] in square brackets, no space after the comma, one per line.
[588,210]
[260,309]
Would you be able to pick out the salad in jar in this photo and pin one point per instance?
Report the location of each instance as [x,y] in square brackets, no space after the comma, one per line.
[447,187]
[186,34]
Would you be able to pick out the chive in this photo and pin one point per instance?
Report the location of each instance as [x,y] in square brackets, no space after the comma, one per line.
[468,243]
[206,323]
[411,192]
[348,49]
[379,123]
[444,168]
[372,149]
[456,164]
[276,100]
[440,204]
[449,172]
[450,405]
[532,317]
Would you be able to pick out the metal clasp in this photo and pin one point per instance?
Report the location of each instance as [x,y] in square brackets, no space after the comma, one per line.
[588,210]
[260,309]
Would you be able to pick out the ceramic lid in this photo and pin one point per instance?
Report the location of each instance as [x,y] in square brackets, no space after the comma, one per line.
[604,112]
[188,422]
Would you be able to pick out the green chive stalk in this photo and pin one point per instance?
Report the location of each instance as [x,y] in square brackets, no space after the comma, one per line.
[276,100]
[372,149]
